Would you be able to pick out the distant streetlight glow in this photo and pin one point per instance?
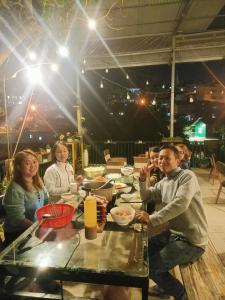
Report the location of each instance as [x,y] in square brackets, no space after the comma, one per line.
[63,51]
[92,24]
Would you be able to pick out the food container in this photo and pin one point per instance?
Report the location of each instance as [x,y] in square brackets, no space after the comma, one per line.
[60,215]
[93,186]
[94,171]
[123,214]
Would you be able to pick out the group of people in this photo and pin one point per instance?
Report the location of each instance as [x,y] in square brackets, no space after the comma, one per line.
[167,180]
[27,192]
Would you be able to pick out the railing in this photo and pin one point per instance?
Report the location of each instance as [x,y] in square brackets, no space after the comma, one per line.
[120,148]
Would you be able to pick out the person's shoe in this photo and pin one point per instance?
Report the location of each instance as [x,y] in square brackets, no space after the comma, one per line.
[48,286]
[156,291]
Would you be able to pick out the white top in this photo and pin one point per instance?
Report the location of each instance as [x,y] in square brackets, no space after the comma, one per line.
[58,177]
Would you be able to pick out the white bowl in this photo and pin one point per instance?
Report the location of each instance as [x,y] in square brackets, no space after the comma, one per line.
[123,214]
[127,170]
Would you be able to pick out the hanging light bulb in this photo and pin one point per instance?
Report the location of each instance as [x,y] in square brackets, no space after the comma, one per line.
[82,71]
[92,24]
[107,70]
[191,100]
[163,86]
[211,92]
[195,91]
[147,82]
[127,76]
[154,102]
[128,96]
[84,61]
[182,89]
[101,84]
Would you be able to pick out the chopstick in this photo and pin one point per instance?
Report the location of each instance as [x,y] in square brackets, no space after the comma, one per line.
[131,202]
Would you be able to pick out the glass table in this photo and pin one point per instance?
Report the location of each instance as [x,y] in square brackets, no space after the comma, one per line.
[118,256]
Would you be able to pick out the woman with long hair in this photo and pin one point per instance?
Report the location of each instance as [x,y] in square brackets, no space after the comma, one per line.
[60,174]
[24,195]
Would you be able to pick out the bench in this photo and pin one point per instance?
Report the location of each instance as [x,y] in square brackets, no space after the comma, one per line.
[204,279]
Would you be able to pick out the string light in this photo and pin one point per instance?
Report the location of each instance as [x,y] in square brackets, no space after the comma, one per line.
[191,100]
[54,67]
[211,92]
[63,51]
[195,91]
[101,84]
[181,89]
[154,102]
[32,56]
[107,70]
[147,82]
[82,71]
[84,61]
[128,96]
[127,76]
[163,86]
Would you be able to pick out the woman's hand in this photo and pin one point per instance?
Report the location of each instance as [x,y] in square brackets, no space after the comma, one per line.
[79,179]
[143,216]
[143,173]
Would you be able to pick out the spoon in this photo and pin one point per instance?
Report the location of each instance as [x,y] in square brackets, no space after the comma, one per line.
[103,185]
[26,239]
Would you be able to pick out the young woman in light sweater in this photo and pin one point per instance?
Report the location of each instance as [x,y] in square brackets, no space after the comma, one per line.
[60,175]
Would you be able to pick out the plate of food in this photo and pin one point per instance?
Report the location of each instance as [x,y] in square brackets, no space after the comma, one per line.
[119,185]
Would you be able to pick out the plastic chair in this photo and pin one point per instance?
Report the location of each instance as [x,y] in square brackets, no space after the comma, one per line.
[221,171]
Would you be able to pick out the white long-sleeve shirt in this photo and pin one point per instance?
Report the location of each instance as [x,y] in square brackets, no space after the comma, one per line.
[58,177]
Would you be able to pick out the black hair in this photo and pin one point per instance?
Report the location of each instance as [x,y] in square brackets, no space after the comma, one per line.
[55,147]
[154,149]
[172,148]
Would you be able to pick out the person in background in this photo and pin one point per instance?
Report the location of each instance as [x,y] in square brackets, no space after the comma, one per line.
[186,238]
[60,175]
[184,154]
[155,175]
[24,195]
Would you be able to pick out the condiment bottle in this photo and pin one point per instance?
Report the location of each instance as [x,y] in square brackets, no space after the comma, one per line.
[90,217]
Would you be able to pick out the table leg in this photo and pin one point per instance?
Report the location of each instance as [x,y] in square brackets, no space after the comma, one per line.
[145,290]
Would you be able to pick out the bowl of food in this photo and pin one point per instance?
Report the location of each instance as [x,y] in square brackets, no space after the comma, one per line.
[94,171]
[123,214]
[95,187]
[126,171]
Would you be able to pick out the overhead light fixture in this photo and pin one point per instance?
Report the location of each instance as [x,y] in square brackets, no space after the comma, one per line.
[63,51]
[54,67]
[92,24]
[34,75]
[32,56]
